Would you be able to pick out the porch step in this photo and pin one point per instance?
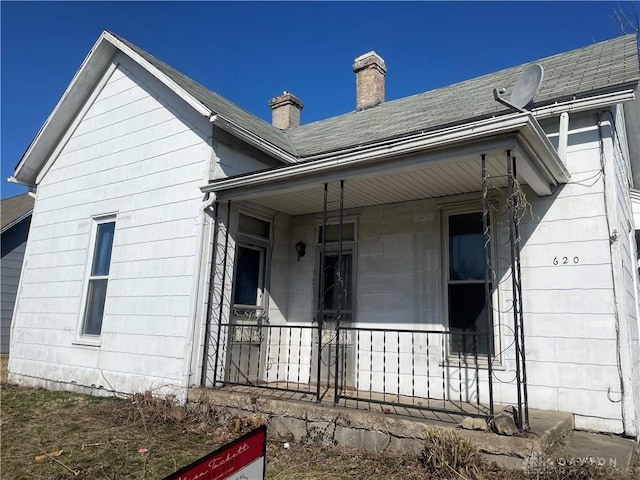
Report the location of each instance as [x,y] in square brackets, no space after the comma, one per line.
[375,428]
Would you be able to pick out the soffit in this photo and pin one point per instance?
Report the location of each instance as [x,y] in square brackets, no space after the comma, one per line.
[462,175]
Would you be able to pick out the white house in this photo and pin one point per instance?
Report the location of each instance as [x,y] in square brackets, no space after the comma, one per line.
[440,251]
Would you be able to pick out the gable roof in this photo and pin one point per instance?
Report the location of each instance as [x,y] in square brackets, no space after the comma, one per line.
[15,209]
[218,104]
[601,68]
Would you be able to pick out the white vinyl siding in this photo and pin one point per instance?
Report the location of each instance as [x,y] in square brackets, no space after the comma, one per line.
[141,152]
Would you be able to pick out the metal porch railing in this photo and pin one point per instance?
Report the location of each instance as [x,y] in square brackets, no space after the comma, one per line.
[420,369]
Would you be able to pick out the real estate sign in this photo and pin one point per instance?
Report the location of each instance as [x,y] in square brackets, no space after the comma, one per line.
[241,459]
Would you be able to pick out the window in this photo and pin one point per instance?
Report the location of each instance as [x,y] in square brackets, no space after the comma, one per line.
[98,277]
[251,261]
[338,283]
[466,300]
[249,276]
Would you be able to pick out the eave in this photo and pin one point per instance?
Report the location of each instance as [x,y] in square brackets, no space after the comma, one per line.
[80,89]
[520,133]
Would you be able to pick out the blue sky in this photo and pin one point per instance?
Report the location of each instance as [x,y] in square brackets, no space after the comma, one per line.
[251,51]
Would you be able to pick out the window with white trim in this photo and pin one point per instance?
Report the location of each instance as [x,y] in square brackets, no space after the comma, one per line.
[466,302]
[96,290]
[251,265]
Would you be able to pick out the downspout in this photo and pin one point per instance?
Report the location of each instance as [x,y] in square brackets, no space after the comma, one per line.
[191,367]
[626,387]
[563,137]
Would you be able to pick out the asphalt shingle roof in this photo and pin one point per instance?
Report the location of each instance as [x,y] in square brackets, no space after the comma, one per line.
[217,103]
[605,66]
[14,208]
[599,68]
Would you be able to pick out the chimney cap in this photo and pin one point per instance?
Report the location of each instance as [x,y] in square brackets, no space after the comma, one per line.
[285,98]
[369,59]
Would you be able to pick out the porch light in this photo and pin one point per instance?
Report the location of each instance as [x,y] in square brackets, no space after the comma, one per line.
[300,249]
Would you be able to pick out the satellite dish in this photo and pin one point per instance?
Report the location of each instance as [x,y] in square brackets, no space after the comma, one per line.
[525,88]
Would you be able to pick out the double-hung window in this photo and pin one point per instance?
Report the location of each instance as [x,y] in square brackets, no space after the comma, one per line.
[96,290]
[467,308]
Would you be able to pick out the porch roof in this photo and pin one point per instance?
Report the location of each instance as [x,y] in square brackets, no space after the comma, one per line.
[430,164]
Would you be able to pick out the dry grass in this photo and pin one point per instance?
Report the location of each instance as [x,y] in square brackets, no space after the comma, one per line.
[100,438]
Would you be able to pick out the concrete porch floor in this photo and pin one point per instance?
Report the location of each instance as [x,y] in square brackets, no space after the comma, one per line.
[377,427]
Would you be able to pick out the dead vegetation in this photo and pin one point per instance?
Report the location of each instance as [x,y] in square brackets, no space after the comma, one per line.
[62,435]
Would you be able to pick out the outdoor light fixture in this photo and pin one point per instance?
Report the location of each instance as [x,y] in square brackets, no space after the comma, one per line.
[300,249]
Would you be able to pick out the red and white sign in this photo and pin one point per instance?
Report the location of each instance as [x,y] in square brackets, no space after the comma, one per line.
[242,459]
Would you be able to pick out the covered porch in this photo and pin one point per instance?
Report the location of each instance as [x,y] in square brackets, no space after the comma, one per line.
[387,275]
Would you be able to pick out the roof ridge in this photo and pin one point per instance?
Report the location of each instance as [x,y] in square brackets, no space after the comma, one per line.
[219,98]
[496,73]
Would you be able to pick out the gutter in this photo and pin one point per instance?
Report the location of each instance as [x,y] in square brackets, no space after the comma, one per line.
[250,137]
[17,181]
[581,105]
[396,147]
[415,142]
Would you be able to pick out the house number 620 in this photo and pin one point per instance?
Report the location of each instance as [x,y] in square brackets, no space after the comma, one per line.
[565,260]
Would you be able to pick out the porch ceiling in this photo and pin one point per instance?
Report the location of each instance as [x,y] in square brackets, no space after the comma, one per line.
[430,164]
[413,183]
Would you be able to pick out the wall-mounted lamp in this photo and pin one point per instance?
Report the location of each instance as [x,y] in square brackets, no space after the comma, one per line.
[300,249]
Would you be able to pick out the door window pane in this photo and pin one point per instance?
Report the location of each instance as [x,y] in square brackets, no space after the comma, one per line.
[248,276]
[335,296]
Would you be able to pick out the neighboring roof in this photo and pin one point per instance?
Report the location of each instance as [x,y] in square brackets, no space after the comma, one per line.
[605,67]
[15,209]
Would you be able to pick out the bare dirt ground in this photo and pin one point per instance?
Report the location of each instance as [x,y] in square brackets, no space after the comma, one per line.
[62,435]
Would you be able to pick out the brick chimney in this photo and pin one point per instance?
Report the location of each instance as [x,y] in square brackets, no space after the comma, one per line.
[285,110]
[370,71]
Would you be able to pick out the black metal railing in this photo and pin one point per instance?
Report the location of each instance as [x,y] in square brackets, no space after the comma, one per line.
[278,357]
[443,371]
[421,369]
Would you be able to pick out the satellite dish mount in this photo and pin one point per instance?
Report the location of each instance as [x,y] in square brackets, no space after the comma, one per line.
[524,90]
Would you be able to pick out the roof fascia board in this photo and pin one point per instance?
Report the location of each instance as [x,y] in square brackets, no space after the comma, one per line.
[346,171]
[532,171]
[544,152]
[66,110]
[81,84]
[584,104]
[251,138]
[76,122]
[214,117]
[16,221]
[450,137]
[173,86]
